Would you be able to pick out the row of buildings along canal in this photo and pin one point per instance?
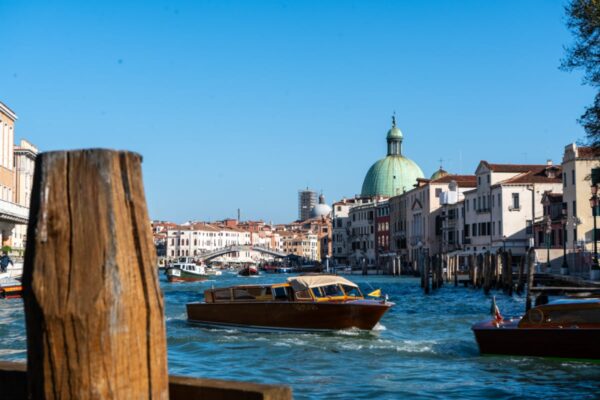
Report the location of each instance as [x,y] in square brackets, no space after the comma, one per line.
[400,217]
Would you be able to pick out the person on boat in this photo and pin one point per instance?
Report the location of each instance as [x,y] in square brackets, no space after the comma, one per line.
[4,261]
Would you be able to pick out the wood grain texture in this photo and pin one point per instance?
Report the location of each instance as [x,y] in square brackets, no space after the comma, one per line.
[94,309]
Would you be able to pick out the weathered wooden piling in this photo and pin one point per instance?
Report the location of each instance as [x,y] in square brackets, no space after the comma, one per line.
[509,276]
[521,276]
[94,310]
[93,307]
[530,274]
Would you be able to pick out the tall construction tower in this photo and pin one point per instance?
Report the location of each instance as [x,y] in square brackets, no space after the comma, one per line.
[307,199]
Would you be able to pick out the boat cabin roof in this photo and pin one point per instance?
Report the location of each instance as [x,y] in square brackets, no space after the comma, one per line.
[304,282]
[563,312]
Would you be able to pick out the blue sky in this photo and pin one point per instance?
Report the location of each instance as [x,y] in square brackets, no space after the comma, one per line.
[240,104]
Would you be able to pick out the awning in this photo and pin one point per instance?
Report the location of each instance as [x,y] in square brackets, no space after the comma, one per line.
[304,282]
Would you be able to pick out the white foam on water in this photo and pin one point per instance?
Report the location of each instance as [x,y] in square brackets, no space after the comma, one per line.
[352,346]
[6,352]
[416,346]
[348,332]
[379,328]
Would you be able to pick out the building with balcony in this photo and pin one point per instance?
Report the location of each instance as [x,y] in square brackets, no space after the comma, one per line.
[501,210]
[16,177]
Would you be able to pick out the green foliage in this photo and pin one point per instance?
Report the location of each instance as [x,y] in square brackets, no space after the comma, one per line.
[584,54]
[6,249]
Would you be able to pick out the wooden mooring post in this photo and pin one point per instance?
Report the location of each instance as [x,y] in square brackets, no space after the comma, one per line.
[93,306]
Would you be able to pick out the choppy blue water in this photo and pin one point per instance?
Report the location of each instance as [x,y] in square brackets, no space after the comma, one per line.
[423,349]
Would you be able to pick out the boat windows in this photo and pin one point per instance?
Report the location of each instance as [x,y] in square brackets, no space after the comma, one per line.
[280,293]
[317,292]
[242,294]
[332,290]
[223,294]
[303,295]
[351,291]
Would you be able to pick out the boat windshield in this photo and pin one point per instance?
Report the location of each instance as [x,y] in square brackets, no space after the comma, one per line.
[352,291]
[327,291]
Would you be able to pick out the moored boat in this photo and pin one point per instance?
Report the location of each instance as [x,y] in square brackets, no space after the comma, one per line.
[10,288]
[303,303]
[186,272]
[565,328]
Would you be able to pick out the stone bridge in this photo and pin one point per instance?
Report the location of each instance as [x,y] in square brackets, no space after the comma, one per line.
[234,249]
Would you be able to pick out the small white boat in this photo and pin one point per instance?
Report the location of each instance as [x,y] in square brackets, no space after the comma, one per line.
[186,272]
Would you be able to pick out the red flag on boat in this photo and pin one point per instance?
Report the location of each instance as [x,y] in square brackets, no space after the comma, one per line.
[496,311]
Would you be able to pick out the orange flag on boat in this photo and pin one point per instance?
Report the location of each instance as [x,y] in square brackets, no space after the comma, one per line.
[375,293]
[496,311]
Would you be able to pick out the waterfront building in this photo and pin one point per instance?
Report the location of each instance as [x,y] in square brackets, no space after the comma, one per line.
[383,256]
[307,200]
[24,159]
[398,229]
[500,211]
[362,233]
[341,227]
[452,213]
[393,174]
[577,165]
[423,213]
[548,231]
[15,186]
[195,239]
[303,244]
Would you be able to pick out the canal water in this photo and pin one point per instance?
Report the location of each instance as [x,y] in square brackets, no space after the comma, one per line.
[423,348]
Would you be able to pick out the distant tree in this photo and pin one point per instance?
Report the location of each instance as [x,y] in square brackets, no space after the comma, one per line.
[583,20]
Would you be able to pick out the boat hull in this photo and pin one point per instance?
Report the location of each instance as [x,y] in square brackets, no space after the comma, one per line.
[175,275]
[508,339]
[301,316]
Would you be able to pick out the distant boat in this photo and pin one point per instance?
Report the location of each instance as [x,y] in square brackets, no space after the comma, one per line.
[248,271]
[303,303]
[186,272]
[566,328]
[277,269]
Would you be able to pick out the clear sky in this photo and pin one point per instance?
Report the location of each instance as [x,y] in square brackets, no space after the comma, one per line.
[238,104]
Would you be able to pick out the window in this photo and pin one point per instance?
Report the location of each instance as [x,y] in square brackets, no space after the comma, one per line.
[438,192]
[351,291]
[478,180]
[515,201]
[574,208]
[529,227]
[474,229]
[573,177]
[280,293]
[467,230]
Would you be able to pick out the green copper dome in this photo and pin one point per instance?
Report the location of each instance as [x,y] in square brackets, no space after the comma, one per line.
[391,176]
[440,173]
[394,174]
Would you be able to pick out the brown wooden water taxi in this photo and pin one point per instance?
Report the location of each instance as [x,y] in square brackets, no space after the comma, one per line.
[566,328]
[303,303]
